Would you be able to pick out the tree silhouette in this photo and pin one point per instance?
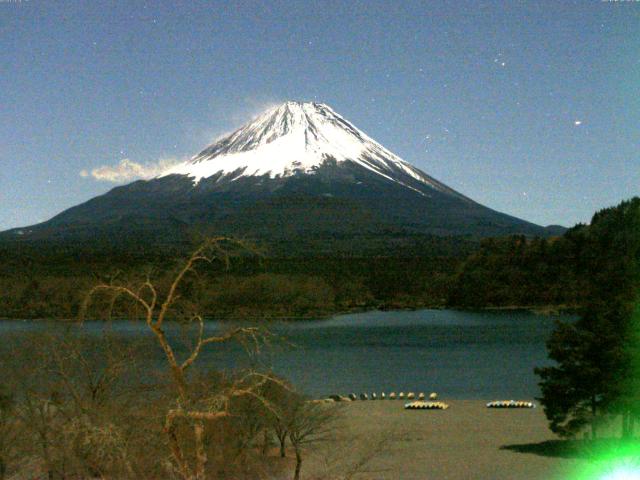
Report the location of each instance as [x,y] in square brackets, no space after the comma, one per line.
[597,358]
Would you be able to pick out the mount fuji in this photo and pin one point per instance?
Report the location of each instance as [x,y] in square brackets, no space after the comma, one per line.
[298,173]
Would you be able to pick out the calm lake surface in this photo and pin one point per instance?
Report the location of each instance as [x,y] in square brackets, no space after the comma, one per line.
[465,355]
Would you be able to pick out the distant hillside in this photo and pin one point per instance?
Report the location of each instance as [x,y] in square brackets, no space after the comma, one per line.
[514,271]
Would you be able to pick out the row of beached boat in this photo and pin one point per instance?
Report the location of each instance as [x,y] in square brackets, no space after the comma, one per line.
[422,404]
[383,396]
[510,404]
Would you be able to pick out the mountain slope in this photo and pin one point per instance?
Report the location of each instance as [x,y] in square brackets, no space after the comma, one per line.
[298,173]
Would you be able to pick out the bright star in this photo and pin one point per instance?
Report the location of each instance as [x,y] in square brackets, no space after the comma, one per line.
[577,122]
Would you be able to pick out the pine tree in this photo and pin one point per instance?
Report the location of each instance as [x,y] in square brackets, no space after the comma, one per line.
[597,358]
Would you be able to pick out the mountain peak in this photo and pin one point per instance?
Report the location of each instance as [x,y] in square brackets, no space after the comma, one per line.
[298,138]
[304,120]
[297,104]
[289,118]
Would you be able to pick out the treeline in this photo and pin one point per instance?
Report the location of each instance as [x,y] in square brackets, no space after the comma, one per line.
[50,281]
[251,287]
[516,271]
[539,272]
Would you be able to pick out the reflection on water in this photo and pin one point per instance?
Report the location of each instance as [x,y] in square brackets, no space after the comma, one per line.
[458,354]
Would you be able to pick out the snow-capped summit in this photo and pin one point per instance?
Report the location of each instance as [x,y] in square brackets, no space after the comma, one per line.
[294,138]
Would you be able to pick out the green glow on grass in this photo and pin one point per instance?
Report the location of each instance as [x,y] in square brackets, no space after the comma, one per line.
[623,473]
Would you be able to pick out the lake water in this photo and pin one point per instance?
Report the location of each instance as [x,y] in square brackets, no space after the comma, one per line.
[465,355]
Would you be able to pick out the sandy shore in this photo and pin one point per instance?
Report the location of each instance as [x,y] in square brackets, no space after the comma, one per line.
[465,442]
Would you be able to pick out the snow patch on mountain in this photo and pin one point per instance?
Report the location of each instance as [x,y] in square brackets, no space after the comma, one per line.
[294,138]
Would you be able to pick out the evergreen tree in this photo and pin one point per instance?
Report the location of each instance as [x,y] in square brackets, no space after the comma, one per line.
[598,357]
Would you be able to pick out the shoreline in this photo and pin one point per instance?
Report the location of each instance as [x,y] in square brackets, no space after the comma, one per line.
[536,309]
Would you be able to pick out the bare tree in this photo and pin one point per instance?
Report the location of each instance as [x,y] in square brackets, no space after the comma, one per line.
[281,432]
[284,400]
[156,309]
[309,422]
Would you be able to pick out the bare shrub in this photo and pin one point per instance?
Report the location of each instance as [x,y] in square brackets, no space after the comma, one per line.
[8,430]
[76,397]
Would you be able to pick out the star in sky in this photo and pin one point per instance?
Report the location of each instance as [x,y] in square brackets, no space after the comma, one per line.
[499,60]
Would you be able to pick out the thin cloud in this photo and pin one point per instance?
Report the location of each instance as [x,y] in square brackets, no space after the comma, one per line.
[234,118]
[253,108]
[127,170]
